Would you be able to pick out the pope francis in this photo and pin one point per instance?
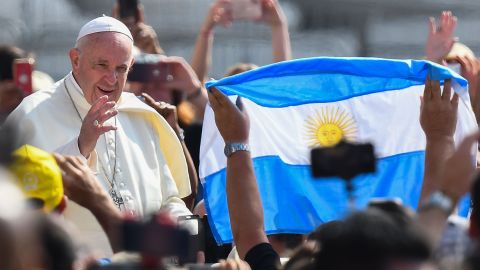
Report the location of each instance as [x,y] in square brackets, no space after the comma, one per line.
[131,149]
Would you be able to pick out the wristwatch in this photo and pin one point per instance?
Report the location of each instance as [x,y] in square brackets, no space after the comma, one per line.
[231,148]
[439,200]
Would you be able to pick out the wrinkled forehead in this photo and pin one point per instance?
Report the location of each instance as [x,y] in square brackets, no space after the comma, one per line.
[105,39]
[115,44]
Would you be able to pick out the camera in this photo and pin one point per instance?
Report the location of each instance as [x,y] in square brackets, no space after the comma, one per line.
[345,160]
[156,237]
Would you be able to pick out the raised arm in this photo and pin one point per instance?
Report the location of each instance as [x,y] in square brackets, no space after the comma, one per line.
[438,119]
[81,186]
[273,15]
[244,205]
[454,181]
[202,52]
[440,38]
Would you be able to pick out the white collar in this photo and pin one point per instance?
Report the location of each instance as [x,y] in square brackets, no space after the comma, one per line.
[76,94]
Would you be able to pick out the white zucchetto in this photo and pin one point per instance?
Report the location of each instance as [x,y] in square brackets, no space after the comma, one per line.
[104,24]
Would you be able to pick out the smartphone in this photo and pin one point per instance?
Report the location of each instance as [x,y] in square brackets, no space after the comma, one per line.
[147,71]
[246,9]
[344,160]
[22,74]
[128,9]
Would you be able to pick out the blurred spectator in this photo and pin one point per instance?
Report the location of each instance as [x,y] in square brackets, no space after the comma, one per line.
[221,13]
[44,243]
[12,207]
[39,177]
[7,144]
[144,36]
[11,94]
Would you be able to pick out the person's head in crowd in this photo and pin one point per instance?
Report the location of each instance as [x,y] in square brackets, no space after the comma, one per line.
[39,177]
[10,95]
[365,240]
[44,242]
[8,54]
[101,60]
[239,68]
[393,208]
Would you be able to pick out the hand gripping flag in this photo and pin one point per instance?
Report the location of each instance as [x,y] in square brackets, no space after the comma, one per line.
[296,105]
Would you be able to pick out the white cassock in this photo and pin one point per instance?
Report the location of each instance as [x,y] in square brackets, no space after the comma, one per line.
[143,159]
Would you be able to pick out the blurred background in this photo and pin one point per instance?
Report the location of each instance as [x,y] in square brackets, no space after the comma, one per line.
[379,28]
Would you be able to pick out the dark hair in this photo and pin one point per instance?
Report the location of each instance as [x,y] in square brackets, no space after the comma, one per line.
[8,54]
[365,240]
[239,68]
[371,240]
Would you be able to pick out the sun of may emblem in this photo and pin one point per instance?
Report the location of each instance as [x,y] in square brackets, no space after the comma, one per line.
[329,126]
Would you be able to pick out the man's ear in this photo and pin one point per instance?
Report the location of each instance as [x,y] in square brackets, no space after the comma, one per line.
[74,58]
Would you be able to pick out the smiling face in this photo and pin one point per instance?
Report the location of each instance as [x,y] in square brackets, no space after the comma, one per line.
[100,64]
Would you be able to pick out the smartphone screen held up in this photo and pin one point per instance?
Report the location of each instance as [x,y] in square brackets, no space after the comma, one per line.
[22,74]
[246,9]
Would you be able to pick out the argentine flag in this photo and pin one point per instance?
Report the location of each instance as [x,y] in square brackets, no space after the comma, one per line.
[300,104]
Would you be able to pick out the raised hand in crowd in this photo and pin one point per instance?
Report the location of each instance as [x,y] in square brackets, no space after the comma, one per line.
[272,14]
[144,36]
[438,118]
[220,13]
[440,37]
[442,47]
[454,181]
[81,186]
[169,112]
[243,196]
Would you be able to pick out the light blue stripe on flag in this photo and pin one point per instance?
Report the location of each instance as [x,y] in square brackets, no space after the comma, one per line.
[288,102]
[297,82]
[290,196]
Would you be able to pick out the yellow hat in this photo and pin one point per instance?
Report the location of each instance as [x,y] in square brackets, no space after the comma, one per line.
[38,175]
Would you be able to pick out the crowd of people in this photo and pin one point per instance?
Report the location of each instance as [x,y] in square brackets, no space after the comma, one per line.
[100,165]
